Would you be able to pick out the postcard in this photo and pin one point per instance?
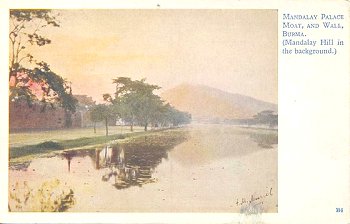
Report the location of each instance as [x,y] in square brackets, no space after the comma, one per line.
[170,112]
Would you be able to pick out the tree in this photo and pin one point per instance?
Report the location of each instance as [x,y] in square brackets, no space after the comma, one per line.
[25,29]
[145,105]
[95,115]
[137,103]
[176,117]
[33,80]
[101,112]
[135,100]
[267,117]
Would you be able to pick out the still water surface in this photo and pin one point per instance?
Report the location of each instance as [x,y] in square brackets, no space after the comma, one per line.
[200,168]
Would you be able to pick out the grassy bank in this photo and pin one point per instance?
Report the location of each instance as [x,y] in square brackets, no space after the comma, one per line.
[27,152]
[18,139]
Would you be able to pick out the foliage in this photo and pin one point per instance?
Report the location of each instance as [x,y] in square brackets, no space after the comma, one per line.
[49,197]
[102,112]
[97,113]
[32,80]
[136,103]
[266,117]
[53,88]
[25,29]
[176,117]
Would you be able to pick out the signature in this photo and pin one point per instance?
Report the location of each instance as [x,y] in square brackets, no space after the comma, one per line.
[254,198]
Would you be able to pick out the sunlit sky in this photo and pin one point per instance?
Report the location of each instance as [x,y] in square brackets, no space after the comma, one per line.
[232,50]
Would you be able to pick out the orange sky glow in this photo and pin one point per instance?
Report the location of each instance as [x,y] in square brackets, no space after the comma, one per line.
[232,50]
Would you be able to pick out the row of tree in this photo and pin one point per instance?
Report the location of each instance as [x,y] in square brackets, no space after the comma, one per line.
[135,103]
[266,118]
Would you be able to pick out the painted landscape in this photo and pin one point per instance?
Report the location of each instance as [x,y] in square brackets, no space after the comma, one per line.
[143,111]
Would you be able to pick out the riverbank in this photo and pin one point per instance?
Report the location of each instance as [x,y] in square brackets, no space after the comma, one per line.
[47,144]
[27,152]
[18,139]
[258,127]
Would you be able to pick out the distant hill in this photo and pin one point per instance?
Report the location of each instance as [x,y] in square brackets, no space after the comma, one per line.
[206,103]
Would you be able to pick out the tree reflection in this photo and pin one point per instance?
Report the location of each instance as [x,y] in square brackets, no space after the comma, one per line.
[132,163]
[127,169]
[71,154]
[265,140]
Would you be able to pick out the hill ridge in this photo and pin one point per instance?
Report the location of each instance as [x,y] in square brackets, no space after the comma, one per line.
[208,103]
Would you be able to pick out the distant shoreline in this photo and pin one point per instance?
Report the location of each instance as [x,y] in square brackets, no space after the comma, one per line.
[257,127]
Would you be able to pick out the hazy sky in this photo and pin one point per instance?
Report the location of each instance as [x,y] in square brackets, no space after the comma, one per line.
[233,50]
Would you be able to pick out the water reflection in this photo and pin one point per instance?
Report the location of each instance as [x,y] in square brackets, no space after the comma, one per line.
[184,179]
[20,166]
[265,140]
[131,164]
[71,154]
[120,170]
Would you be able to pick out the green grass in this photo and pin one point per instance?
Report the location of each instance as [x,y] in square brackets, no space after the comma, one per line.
[27,152]
[36,137]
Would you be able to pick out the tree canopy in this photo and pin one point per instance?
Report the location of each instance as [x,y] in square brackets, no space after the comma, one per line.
[25,28]
[101,112]
[135,102]
[267,117]
[31,79]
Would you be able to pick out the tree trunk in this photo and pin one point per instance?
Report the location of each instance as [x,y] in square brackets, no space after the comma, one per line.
[106,127]
[146,126]
[95,127]
[132,123]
